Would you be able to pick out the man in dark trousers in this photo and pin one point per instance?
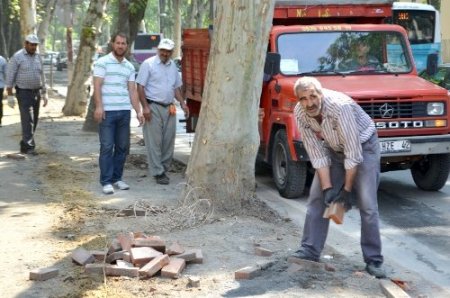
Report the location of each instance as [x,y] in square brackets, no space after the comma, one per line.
[342,144]
[25,73]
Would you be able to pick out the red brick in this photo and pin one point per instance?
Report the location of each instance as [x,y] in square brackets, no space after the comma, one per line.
[43,273]
[99,255]
[193,281]
[151,241]
[115,246]
[139,235]
[262,252]
[118,255]
[198,257]
[95,268]
[247,273]
[82,256]
[175,249]
[152,267]
[143,255]
[115,270]
[126,240]
[391,290]
[307,265]
[174,268]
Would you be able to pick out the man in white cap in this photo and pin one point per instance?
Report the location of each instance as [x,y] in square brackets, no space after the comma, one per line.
[158,84]
[26,74]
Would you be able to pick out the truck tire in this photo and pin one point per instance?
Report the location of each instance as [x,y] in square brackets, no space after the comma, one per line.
[289,176]
[431,172]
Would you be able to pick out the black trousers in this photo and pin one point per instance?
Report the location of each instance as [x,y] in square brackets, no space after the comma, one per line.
[29,102]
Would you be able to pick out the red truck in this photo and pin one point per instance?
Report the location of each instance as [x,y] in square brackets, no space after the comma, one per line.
[319,39]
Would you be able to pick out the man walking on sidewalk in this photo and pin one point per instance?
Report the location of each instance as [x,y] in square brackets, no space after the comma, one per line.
[342,144]
[26,73]
[114,94]
[158,83]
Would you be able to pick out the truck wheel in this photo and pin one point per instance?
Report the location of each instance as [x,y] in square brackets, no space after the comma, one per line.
[289,176]
[431,172]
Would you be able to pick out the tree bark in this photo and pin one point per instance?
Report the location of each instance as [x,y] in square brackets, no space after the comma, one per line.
[77,93]
[177,29]
[27,17]
[223,156]
[136,15]
[123,25]
[46,20]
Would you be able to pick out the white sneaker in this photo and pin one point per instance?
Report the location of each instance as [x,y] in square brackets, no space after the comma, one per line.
[121,185]
[108,189]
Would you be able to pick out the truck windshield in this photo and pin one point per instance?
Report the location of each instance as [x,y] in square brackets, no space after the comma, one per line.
[350,52]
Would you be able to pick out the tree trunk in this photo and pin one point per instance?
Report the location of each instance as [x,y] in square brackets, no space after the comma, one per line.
[77,94]
[46,20]
[136,15]
[193,13]
[177,29]
[123,25]
[27,17]
[89,123]
[223,156]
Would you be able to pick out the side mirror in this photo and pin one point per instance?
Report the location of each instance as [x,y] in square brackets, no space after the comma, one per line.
[272,64]
[432,64]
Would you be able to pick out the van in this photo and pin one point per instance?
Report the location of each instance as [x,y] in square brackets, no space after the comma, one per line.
[145,46]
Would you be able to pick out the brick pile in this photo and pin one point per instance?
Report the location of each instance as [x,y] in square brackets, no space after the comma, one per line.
[137,255]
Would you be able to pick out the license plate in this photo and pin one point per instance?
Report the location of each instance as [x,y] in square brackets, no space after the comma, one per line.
[395,146]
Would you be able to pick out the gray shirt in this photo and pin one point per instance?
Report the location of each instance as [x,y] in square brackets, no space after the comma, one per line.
[159,80]
[25,71]
[345,126]
[2,72]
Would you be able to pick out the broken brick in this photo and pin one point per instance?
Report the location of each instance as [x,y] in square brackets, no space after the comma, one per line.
[188,255]
[249,272]
[262,252]
[152,267]
[174,268]
[143,255]
[82,256]
[391,290]
[118,255]
[115,246]
[198,257]
[175,249]
[43,273]
[306,264]
[193,281]
[124,264]
[126,240]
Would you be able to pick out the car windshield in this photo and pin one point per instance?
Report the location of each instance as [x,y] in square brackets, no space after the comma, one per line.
[350,52]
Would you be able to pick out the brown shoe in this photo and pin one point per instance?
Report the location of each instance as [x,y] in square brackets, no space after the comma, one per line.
[162,179]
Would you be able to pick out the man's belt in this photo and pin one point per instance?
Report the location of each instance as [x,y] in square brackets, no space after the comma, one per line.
[159,103]
[32,90]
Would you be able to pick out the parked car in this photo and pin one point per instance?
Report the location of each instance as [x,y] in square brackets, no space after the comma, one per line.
[50,58]
[441,77]
[61,61]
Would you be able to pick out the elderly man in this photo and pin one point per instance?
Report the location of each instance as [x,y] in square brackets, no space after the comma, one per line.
[158,84]
[26,73]
[342,144]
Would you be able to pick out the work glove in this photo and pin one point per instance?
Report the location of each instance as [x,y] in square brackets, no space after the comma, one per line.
[44,97]
[329,196]
[11,101]
[344,197]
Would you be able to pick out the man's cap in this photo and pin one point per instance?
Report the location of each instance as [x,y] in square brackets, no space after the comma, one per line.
[166,44]
[32,38]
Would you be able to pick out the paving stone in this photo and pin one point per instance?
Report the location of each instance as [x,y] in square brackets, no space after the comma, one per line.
[99,255]
[174,268]
[118,255]
[82,256]
[263,252]
[175,249]
[43,273]
[188,255]
[96,268]
[391,290]
[249,272]
[115,270]
[126,240]
[142,255]
[152,267]
[151,241]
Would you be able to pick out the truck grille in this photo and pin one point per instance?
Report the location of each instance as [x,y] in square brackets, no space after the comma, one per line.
[395,110]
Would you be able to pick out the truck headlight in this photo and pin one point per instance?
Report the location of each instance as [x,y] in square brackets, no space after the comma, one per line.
[435,108]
